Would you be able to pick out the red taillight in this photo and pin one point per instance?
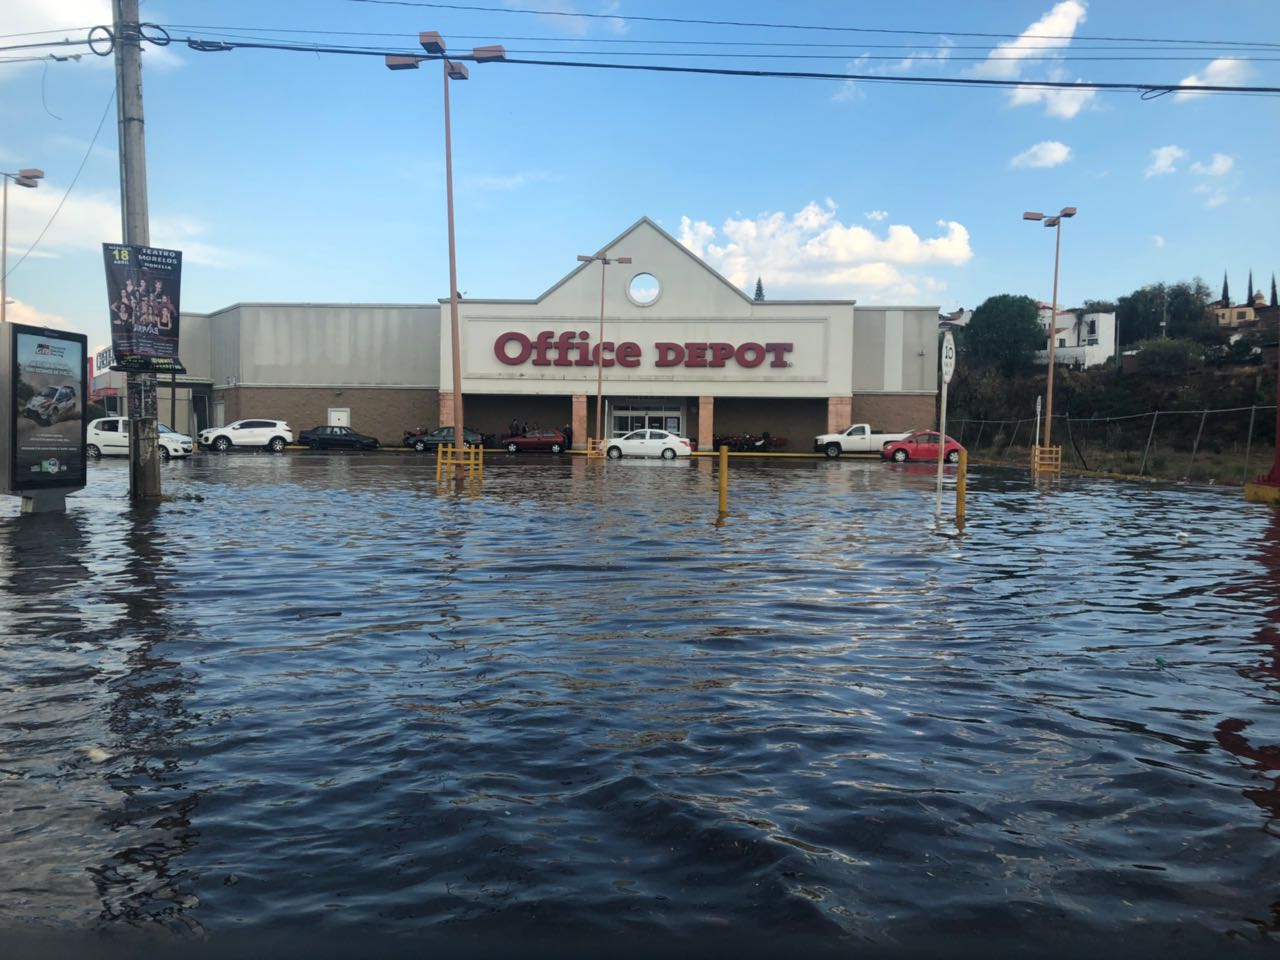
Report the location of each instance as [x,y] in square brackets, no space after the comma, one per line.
[684,441]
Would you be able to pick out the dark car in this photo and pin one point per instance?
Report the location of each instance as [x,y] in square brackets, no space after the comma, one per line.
[336,438]
[552,440]
[431,439]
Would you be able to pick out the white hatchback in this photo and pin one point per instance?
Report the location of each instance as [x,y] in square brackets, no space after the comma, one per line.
[275,435]
[109,437]
[648,443]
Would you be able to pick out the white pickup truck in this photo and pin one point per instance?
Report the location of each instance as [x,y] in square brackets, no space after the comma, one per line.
[859,438]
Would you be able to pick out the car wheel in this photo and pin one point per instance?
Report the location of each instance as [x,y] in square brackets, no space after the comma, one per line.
[833,450]
[899,456]
[419,445]
[92,451]
[512,448]
[557,448]
[221,444]
[165,455]
[953,456]
[615,453]
[668,453]
[276,444]
[375,445]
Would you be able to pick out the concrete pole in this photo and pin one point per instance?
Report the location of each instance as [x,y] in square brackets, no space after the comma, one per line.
[1053,337]
[144,459]
[455,333]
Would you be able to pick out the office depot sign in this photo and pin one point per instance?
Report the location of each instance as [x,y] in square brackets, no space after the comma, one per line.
[574,349]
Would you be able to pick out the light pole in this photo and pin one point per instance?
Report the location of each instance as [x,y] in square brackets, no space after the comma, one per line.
[1054,221]
[27,177]
[604,262]
[434,44]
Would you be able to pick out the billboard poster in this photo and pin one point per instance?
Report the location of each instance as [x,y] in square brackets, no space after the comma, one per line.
[48,408]
[143,288]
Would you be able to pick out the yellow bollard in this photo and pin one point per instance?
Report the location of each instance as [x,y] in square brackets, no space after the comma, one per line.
[962,477]
[724,479]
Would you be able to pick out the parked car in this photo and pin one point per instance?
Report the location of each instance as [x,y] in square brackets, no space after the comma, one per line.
[859,438]
[648,443]
[109,437]
[552,440]
[440,436]
[336,438]
[275,435]
[51,405]
[921,445]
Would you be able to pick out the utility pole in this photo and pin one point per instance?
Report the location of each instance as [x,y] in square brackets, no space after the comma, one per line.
[144,458]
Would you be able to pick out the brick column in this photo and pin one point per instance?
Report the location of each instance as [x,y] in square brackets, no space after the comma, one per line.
[446,408]
[839,413]
[579,423]
[706,422]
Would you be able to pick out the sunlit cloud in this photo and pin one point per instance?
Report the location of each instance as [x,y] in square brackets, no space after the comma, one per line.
[1158,240]
[811,252]
[1213,196]
[1047,153]
[1220,73]
[1220,165]
[1053,31]
[876,215]
[1163,160]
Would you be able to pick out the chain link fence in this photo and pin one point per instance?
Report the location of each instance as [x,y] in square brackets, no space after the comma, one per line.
[1229,445]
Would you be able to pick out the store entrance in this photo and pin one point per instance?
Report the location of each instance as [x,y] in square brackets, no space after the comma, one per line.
[628,415]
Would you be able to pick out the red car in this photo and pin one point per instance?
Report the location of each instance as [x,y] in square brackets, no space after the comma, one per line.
[921,445]
[552,440]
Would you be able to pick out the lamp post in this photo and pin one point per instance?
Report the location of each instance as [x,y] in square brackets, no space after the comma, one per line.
[27,177]
[1054,221]
[434,45]
[604,262]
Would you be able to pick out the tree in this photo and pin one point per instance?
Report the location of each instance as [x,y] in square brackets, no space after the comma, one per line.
[1273,291]
[759,290]
[1004,333]
[1226,297]
[1249,298]
[1183,307]
[1098,306]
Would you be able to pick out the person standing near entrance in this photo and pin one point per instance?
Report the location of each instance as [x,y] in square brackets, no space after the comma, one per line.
[567,430]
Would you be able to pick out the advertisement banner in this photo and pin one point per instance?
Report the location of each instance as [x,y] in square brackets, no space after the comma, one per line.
[143,287]
[48,408]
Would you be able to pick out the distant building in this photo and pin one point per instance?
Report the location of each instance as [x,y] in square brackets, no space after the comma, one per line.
[1080,339]
[957,319]
[1242,315]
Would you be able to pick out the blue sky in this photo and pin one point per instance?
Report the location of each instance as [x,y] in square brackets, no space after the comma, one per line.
[312,177]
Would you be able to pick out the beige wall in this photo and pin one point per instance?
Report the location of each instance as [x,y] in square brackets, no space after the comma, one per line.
[895,413]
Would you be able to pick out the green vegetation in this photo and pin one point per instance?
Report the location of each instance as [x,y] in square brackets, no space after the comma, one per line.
[1003,334]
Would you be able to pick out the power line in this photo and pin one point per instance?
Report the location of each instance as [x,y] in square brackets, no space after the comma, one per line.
[784,26]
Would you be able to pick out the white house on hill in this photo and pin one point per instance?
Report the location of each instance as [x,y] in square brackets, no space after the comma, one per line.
[1081,339]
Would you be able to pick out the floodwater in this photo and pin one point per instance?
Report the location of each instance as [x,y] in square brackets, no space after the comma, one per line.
[312,693]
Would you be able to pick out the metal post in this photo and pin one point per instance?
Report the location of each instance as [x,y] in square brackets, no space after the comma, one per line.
[962,487]
[1154,417]
[942,452]
[1053,337]
[1248,440]
[604,263]
[144,459]
[724,480]
[459,423]
[1196,446]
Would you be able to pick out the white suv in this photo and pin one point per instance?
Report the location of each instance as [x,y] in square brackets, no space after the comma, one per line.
[109,437]
[275,435]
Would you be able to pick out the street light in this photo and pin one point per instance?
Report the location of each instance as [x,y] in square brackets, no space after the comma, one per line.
[27,177]
[1055,222]
[434,44]
[604,262]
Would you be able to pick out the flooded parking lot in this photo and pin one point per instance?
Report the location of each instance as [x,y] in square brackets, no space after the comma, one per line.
[313,691]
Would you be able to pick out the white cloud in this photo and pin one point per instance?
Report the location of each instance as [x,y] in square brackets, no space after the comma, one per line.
[67,19]
[876,215]
[1217,167]
[1214,196]
[927,59]
[811,252]
[1158,240]
[1220,73]
[1163,160]
[1047,153]
[1053,31]
[1058,101]
[19,312]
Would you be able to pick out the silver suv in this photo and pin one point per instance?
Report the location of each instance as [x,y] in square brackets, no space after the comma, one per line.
[275,435]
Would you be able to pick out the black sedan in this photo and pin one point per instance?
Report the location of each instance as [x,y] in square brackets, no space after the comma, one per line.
[431,439]
[336,438]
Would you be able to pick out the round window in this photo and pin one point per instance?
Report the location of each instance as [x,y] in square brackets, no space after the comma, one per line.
[644,289]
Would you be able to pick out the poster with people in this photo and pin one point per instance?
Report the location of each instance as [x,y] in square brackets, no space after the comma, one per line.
[48,408]
[143,287]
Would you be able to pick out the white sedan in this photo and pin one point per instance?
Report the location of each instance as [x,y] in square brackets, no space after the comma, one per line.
[109,437]
[648,443]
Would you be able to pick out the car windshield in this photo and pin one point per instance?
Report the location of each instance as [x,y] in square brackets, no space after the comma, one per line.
[164,428]
[48,392]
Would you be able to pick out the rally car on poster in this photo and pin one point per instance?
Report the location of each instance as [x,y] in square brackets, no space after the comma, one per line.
[51,405]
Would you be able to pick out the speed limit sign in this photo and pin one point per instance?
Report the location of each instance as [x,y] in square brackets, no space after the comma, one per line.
[948,357]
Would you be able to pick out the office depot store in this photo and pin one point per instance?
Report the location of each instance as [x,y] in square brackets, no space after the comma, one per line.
[681,349]
[684,350]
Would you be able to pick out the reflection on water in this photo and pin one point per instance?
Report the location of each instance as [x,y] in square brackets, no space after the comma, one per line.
[313,690]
